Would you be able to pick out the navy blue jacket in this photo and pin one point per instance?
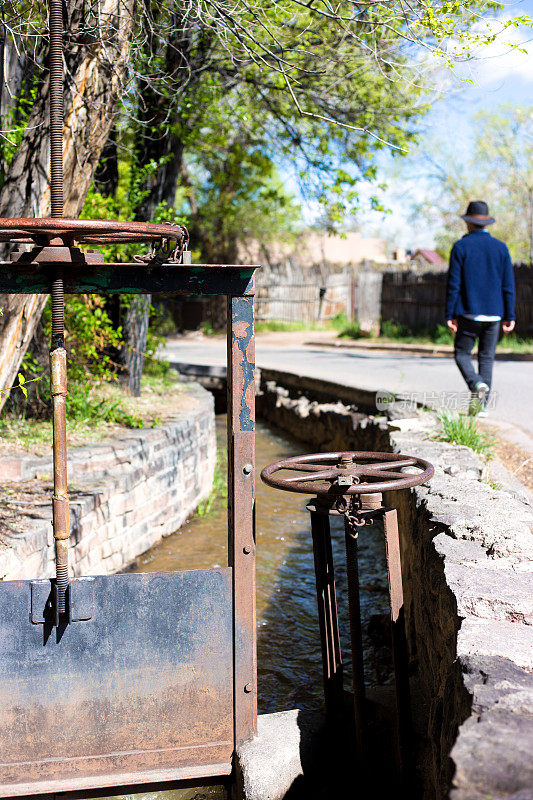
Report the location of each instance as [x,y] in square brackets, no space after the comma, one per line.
[480,278]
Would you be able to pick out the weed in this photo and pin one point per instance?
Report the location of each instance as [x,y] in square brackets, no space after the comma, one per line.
[219,490]
[90,408]
[461,429]
[207,329]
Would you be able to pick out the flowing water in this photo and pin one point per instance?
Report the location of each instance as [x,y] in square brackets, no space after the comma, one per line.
[288,642]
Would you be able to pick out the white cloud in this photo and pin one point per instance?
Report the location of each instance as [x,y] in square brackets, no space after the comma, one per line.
[500,60]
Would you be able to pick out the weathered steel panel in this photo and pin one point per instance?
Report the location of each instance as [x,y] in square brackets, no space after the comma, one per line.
[131,278]
[141,690]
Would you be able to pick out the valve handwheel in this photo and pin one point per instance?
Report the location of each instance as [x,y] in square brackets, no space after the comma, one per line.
[88,231]
[347,473]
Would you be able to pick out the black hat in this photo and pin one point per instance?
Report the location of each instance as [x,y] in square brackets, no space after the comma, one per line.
[478,214]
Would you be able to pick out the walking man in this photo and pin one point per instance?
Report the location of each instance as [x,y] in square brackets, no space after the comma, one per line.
[479,294]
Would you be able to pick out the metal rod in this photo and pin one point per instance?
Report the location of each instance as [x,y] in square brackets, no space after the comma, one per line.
[327,613]
[56,106]
[58,355]
[61,522]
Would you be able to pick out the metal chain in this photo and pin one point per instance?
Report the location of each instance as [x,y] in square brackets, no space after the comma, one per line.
[350,508]
[168,251]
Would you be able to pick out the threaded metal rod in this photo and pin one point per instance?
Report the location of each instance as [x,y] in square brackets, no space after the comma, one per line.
[58,314]
[56,107]
[58,355]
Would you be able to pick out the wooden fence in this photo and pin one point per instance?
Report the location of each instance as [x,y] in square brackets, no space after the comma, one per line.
[292,294]
[286,294]
[418,300]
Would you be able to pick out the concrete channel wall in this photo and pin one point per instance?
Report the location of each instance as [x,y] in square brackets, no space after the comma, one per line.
[125,495]
[467,560]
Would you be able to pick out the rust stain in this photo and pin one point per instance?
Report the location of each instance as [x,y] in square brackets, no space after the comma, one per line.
[240,329]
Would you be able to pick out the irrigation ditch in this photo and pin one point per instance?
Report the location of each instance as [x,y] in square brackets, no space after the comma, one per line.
[466,553]
[466,558]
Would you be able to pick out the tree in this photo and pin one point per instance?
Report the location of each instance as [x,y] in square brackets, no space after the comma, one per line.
[499,169]
[335,81]
[95,70]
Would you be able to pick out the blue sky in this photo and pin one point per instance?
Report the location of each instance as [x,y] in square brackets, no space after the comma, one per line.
[500,75]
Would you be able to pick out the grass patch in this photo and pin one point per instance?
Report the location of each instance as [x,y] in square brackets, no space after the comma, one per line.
[276,326]
[93,414]
[219,491]
[462,429]
[516,344]
[391,331]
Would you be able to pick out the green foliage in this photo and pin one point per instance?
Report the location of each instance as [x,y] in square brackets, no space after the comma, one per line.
[14,123]
[277,326]
[219,490]
[517,344]
[90,342]
[208,330]
[398,332]
[353,330]
[498,168]
[338,323]
[464,430]
[86,406]
[238,192]
[436,334]
[90,338]
[124,203]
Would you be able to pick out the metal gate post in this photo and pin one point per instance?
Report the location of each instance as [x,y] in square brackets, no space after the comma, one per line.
[398,634]
[241,510]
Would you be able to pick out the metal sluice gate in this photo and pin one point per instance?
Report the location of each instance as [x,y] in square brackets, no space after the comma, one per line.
[123,680]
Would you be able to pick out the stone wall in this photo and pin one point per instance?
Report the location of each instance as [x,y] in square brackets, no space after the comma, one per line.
[467,556]
[125,495]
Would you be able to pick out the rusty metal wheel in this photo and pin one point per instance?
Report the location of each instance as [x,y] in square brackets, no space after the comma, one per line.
[353,472]
[90,231]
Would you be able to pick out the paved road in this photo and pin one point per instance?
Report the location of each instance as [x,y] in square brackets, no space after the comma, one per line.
[399,373]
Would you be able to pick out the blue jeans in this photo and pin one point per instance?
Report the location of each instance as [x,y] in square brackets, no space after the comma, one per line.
[468,330]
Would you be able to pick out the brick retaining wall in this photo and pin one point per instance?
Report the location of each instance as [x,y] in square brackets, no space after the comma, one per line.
[125,495]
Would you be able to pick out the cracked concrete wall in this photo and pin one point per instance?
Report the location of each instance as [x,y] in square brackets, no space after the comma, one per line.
[124,494]
[467,555]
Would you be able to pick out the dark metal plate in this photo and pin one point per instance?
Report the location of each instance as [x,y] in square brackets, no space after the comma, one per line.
[141,691]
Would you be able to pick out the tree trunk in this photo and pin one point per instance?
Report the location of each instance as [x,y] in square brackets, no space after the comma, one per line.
[96,67]
[106,175]
[135,330]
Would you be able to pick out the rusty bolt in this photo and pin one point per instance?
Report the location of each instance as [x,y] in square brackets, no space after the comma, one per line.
[247,469]
[248,688]
[247,549]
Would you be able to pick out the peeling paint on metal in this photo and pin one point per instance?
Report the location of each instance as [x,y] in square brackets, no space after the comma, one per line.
[243,338]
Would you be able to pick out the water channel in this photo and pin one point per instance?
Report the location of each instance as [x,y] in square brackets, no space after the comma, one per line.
[288,643]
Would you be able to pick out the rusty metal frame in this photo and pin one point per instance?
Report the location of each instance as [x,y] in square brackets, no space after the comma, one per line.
[237,283]
[241,509]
